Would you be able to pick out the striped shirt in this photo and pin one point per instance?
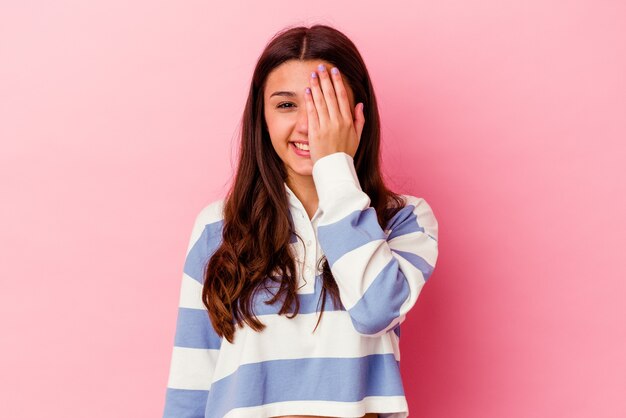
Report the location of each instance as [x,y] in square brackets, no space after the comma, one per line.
[350,365]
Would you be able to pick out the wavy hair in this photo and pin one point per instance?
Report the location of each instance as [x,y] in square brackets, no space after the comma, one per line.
[256,228]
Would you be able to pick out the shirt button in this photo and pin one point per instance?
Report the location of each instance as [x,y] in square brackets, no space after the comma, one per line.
[309,242]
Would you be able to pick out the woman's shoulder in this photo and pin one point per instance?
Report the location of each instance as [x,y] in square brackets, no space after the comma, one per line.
[414,201]
[410,202]
[211,213]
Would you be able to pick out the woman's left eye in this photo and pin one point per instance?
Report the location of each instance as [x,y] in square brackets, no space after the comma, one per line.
[281,106]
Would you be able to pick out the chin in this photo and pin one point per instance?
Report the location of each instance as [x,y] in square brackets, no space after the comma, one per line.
[304,172]
[302,169]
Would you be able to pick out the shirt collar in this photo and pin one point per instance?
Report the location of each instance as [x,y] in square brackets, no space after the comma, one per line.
[290,194]
[296,204]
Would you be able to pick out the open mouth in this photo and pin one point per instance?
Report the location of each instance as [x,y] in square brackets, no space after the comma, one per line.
[300,149]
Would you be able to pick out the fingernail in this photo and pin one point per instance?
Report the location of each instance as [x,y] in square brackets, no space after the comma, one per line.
[334,70]
[314,74]
[308,90]
[321,67]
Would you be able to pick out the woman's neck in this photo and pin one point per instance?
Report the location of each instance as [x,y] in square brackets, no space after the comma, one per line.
[304,189]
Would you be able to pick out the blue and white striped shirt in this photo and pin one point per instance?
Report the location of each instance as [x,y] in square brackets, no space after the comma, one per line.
[350,365]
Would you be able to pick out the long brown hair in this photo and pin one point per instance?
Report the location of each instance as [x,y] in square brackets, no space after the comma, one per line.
[257,228]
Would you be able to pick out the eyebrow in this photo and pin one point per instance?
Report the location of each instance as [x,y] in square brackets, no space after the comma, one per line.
[283,93]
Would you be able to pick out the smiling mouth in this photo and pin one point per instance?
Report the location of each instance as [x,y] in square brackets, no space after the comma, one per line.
[298,148]
[303,146]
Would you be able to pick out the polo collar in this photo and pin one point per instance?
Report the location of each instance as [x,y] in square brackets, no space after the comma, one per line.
[295,203]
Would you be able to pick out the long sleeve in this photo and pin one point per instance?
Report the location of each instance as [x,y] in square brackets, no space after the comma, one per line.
[196,345]
[380,273]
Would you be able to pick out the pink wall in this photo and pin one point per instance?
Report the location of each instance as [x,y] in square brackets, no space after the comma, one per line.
[118,120]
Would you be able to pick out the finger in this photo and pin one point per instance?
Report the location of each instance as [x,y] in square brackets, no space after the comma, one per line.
[342,95]
[318,99]
[359,120]
[329,93]
[311,112]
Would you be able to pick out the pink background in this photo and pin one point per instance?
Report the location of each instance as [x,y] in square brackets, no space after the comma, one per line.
[118,123]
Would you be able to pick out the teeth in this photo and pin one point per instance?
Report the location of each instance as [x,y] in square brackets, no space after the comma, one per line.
[301,146]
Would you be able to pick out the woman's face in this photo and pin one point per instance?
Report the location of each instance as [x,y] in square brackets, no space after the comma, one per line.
[286,115]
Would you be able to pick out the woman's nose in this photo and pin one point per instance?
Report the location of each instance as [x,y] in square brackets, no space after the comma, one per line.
[303,121]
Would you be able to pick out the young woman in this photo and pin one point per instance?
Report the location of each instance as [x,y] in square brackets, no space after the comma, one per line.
[307,230]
